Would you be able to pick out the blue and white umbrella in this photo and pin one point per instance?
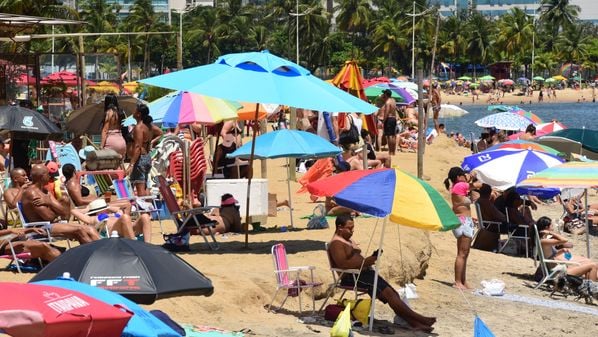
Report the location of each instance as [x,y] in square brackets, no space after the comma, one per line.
[504,121]
[505,168]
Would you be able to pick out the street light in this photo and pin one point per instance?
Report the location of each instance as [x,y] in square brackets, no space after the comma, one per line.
[413,36]
[297,15]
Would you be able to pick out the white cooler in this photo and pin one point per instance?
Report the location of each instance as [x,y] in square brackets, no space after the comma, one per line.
[258,206]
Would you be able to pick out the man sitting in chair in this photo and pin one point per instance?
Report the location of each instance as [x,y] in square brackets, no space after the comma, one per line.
[345,254]
[39,205]
[19,183]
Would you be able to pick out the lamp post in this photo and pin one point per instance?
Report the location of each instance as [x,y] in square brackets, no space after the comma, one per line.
[413,15]
[297,15]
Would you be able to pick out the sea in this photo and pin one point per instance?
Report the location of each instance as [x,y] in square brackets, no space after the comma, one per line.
[572,115]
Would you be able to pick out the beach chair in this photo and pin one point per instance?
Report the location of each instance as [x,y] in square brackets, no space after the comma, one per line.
[191,221]
[15,259]
[550,269]
[337,275]
[46,225]
[144,204]
[289,278]
[512,234]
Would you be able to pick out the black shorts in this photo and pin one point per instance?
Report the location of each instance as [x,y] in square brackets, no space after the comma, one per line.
[390,126]
[366,281]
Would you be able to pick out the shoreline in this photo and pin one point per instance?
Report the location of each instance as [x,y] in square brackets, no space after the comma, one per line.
[563,96]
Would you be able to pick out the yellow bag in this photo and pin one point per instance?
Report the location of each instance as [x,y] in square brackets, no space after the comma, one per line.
[342,326]
[360,309]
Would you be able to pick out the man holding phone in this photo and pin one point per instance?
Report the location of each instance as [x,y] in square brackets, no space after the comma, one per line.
[346,254]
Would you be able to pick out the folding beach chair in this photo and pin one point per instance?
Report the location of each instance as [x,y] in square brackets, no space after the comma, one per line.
[337,275]
[192,221]
[46,225]
[144,204]
[551,269]
[15,259]
[289,278]
[512,234]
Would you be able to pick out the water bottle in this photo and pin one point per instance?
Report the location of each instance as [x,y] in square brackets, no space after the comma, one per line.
[568,255]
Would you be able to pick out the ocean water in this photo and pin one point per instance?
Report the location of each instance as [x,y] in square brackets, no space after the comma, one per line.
[573,115]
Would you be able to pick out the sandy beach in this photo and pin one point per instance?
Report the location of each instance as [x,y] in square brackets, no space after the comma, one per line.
[515,98]
[244,281]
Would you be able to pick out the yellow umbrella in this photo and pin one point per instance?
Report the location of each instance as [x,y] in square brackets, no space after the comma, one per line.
[105,87]
[559,78]
[131,87]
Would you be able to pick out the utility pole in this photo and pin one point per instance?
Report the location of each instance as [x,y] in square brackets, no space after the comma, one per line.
[413,15]
[421,133]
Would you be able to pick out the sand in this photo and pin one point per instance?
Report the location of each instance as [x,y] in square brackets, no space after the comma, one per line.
[563,96]
[244,281]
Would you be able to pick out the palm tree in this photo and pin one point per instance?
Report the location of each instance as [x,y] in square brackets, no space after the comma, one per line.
[573,44]
[558,15]
[142,18]
[208,31]
[353,16]
[479,40]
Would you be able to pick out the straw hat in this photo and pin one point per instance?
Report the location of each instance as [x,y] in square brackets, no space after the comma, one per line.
[96,206]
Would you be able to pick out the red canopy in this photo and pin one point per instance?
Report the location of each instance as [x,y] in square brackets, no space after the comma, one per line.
[66,77]
[25,79]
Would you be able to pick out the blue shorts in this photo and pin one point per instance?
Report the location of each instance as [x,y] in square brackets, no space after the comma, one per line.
[466,228]
[141,169]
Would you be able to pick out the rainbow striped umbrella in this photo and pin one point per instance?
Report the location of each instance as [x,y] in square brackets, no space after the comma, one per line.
[529,115]
[406,199]
[519,144]
[574,174]
[189,108]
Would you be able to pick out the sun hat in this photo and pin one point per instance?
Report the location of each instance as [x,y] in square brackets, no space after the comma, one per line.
[85,151]
[228,140]
[52,167]
[96,206]
[228,200]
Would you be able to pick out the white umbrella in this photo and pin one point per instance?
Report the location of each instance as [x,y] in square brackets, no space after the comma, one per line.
[450,110]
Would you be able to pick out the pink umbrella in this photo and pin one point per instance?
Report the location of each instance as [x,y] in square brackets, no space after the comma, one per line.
[67,77]
[25,79]
[506,82]
[550,127]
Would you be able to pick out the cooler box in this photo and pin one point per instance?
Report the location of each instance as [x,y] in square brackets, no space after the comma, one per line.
[215,188]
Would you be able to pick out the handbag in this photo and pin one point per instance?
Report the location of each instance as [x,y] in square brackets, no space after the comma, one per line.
[318,218]
[350,136]
[342,326]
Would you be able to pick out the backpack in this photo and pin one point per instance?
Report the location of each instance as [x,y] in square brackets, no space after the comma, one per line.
[350,136]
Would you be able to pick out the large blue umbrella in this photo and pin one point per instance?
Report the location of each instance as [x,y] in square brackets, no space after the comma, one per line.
[287,144]
[261,77]
[505,168]
[141,324]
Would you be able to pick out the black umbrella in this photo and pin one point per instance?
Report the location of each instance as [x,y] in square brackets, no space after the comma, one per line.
[88,119]
[27,123]
[139,271]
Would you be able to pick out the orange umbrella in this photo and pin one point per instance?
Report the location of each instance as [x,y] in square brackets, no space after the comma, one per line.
[247,111]
[350,80]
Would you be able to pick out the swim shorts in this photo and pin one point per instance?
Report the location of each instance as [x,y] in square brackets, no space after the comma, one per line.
[366,281]
[390,126]
[141,169]
[466,228]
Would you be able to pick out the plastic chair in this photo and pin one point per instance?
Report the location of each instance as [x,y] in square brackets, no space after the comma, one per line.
[337,275]
[192,220]
[288,278]
[548,273]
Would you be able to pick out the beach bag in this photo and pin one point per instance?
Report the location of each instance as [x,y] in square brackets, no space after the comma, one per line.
[360,309]
[318,218]
[177,242]
[350,136]
[342,326]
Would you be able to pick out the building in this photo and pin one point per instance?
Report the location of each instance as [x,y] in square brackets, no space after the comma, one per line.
[494,8]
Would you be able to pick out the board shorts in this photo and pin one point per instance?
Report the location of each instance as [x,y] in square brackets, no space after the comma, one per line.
[141,169]
[390,126]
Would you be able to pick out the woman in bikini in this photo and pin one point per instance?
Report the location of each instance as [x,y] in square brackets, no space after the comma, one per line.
[112,137]
[458,183]
[550,240]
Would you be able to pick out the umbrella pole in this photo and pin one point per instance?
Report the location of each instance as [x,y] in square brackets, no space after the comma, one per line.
[214,163]
[587,225]
[373,306]
[250,175]
[289,189]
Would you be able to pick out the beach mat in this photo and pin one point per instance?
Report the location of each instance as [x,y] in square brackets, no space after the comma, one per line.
[208,331]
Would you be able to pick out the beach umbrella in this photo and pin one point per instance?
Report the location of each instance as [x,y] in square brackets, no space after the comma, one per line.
[533,118]
[137,270]
[287,144]
[550,127]
[538,78]
[505,168]
[487,78]
[261,77]
[465,78]
[507,82]
[502,108]
[247,111]
[559,78]
[411,86]
[68,78]
[573,174]
[373,81]
[550,80]
[105,87]
[25,79]
[450,110]
[27,123]
[392,194]
[141,324]
[573,140]
[407,95]
[188,108]
[519,144]
[504,121]
[130,87]
[90,118]
[523,79]
[34,310]
[474,85]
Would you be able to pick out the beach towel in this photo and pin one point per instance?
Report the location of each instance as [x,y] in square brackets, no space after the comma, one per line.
[321,169]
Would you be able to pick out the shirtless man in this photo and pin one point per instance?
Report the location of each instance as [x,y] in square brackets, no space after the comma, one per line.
[345,254]
[39,205]
[20,182]
[388,111]
[144,134]
[436,101]
[411,114]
